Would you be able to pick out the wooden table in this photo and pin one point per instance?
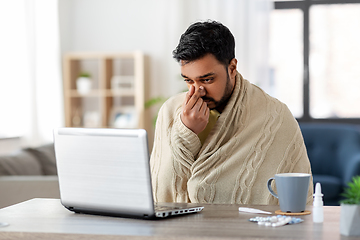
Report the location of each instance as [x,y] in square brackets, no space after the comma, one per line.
[48,219]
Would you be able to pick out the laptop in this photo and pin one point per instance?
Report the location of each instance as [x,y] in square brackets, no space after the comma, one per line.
[107,172]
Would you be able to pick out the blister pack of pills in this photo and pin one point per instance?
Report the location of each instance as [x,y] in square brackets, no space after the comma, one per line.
[276,221]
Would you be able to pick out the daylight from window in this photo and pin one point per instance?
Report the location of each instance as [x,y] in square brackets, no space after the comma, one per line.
[286,58]
[334,61]
[334,75]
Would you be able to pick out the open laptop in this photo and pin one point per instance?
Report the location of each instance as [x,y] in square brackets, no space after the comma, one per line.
[107,172]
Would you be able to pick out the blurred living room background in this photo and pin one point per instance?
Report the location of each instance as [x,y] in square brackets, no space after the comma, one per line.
[305,53]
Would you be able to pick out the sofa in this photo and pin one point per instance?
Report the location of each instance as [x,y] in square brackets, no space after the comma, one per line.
[334,154]
[28,173]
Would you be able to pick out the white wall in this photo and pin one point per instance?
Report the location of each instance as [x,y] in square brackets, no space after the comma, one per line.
[123,25]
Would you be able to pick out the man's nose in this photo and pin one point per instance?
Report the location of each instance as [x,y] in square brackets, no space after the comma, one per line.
[200,88]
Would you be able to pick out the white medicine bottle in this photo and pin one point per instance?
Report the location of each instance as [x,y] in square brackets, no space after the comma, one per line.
[318,211]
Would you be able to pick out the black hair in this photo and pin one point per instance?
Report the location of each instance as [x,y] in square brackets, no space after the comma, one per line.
[202,38]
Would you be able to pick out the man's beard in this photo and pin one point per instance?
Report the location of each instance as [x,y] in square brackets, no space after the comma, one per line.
[226,96]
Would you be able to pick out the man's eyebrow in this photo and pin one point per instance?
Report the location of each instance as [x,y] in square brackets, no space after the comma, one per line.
[203,76]
[184,76]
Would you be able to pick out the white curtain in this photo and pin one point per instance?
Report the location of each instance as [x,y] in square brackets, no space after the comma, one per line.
[248,20]
[30,73]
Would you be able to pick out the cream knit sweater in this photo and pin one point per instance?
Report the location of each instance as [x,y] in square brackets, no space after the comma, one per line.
[254,138]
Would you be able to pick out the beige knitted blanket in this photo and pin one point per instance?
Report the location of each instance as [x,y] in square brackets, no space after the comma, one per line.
[254,138]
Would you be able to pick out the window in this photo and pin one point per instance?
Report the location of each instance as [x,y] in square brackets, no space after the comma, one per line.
[314,53]
[30,85]
[286,58]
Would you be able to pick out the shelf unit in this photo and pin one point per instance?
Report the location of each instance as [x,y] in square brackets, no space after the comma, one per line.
[116,96]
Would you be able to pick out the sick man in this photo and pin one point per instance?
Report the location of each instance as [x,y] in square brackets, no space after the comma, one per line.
[222,140]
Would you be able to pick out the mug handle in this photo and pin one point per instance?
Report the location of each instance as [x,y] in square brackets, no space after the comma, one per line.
[269,187]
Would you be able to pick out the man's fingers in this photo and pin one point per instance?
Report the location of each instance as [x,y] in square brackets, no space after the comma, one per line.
[198,105]
[204,108]
[195,112]
[207,112]
[197,94]
[190,93]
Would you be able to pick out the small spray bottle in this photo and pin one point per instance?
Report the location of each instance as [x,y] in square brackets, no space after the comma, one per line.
[318,212]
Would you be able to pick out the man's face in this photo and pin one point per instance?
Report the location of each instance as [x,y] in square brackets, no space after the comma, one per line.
[217,80]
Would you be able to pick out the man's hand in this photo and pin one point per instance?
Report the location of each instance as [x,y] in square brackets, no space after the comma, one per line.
[195,112]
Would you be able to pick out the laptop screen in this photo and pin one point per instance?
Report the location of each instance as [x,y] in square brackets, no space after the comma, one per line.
[104,169]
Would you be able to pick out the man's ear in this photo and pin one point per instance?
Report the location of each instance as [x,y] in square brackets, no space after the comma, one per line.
[232,67]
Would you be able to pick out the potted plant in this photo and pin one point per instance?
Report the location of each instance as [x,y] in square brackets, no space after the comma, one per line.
[83,83]
[350,209]
[152,102]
